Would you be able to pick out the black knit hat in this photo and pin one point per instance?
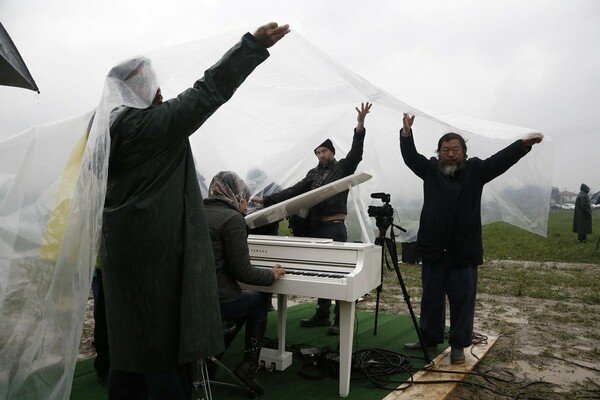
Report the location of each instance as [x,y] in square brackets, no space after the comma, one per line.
[326,144]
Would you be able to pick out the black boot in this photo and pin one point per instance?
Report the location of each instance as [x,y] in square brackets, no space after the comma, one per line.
[334,329]
[246,372]
[247,369]
[321,318]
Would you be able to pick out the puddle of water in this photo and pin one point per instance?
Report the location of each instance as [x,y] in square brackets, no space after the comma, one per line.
[559,374]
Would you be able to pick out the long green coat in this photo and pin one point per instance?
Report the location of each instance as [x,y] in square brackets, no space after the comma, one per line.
[582,217]
[159,277]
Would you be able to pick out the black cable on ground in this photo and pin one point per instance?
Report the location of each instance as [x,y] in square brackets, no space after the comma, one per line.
[379,365]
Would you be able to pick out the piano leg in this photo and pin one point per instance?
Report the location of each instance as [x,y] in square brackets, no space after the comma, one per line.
[346,339]
[281,321]
[279,358]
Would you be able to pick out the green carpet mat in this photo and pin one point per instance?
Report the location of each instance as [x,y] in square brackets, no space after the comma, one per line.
[85,386]
[392,332]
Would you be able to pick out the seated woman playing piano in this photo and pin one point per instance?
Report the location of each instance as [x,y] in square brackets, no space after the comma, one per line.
[225,206]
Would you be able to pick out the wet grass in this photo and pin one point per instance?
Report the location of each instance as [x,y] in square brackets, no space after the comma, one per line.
[544,281]
[502,241]
[540,282]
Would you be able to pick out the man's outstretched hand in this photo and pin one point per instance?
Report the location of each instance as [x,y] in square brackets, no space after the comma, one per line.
[533,139]
[271,33]
[407,122]
[362,113]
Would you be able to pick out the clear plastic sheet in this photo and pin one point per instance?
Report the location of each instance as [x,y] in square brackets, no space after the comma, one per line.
[52,183]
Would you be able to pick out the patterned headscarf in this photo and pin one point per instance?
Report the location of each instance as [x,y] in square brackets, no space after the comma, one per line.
[229,187]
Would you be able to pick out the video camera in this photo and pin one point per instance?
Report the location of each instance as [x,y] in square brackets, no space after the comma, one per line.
[384,215]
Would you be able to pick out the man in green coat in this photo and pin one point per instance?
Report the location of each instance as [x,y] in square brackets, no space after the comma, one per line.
[160,287]
[582,217]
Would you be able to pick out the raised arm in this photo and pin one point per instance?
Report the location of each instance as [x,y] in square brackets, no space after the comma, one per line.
[180,117]
[362,113]
[407,122]
[417,163]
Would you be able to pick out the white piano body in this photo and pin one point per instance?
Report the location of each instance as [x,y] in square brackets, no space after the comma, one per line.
[317,268]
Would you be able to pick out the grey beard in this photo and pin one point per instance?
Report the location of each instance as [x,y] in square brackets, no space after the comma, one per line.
[449,170]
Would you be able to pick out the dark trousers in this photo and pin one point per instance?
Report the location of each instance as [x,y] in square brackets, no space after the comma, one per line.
[251,305]
[335,230]
[581,237]
[102,361]
[459,284]
[170,385]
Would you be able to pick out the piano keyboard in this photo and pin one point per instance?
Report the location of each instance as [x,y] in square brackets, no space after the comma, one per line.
[318,267]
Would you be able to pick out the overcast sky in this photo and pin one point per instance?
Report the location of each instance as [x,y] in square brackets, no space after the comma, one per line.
[534,64]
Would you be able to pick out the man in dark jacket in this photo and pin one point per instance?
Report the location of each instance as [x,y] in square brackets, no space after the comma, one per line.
[225,207]
[326,219]
[158,266]
[582,217]
[449,238]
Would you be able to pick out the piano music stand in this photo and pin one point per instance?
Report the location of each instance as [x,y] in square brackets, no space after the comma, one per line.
[385,220]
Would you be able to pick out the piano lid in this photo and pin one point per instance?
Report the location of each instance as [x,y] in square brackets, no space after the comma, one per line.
[300,204]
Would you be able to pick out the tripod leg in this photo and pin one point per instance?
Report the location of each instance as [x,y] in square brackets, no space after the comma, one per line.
[379,241]
[391,245]
[377,310]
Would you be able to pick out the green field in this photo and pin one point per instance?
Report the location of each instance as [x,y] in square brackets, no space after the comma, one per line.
[505,242]
[502,241]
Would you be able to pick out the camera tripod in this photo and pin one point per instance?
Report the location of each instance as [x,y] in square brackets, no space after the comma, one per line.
[389,244]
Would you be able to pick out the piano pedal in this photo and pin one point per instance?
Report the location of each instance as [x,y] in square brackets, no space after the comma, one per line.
[272,367]
[273,358]
[268,368]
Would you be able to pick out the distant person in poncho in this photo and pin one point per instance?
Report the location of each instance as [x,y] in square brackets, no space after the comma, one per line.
[582,217]
[158,268]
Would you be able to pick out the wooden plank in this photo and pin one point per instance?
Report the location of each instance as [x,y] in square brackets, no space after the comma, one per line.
[442,362]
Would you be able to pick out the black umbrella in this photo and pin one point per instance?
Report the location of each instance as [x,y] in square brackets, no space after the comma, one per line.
[13,71]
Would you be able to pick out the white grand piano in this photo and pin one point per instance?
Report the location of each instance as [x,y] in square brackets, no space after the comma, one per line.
[316,268]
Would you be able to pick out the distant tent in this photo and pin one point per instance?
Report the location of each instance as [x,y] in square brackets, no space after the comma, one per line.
[13,71]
